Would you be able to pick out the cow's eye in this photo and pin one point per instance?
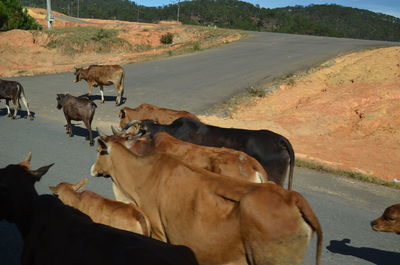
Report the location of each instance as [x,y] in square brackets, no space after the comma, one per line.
[103,152]
[390,219]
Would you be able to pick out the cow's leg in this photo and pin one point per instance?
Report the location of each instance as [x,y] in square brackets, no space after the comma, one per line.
[69,126]
[90,90]
[16,107]
[102,94]
[8,107]
[120,89]
[26,106]
[89,136]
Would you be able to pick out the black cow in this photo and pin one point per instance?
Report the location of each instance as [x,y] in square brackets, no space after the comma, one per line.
[77,109]
[57,234]
[273,151]
[12,90]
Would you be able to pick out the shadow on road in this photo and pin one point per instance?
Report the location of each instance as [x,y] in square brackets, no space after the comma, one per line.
[22,114]
[106,98]
[82,131]
[376,256]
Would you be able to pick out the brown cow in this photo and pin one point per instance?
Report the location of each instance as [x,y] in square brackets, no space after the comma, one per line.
[224,220]
[223,161]
[12,90]
[389,221]
[102,210]
[151,112]
[102,75]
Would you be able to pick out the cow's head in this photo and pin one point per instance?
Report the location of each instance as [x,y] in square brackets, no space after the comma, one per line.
[78,74]
[389,221]
[17,187]
[59,99]
[103,165]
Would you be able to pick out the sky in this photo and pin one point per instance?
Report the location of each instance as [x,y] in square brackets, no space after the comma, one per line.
[390,7]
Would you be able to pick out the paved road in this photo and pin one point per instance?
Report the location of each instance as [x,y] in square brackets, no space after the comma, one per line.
[195,83]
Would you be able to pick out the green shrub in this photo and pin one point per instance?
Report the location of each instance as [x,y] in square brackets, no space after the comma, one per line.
[196,46]
[13,16]
[167,38]
[79,39]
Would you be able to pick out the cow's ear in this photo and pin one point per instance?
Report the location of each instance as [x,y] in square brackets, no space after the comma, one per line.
[81,184]
[102,144]
[53,190]
[27,162]
[122,114]
[38,173]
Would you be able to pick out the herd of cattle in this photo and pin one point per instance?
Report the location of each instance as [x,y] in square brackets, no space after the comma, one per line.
[186,192]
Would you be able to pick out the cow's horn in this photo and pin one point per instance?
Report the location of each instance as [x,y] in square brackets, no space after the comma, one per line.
[28,157]
[132,122]
[101,134]
[114,130]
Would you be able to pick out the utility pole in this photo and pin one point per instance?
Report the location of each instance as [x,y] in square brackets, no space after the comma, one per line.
[49,15]
[177,15]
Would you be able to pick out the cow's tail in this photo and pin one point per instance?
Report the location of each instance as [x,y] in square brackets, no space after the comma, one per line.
[290,150]
[310,217]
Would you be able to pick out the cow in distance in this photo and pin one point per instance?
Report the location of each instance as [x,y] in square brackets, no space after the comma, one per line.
[14,91]
[77,109]
[102,75]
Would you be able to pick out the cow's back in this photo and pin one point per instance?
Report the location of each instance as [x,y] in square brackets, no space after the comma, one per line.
[105,74]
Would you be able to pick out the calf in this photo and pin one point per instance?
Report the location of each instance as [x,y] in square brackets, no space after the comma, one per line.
[12,90]
[273,151]
[77,109]
[247,223]
[389,221]
[102,75]
[151,112]
[102,210]
[56,234]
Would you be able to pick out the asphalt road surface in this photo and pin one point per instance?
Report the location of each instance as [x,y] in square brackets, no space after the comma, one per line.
[196,82]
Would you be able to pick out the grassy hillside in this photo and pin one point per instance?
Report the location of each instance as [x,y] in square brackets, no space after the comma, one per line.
[321,20]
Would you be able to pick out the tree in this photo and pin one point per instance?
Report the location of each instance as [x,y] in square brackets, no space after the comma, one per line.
[13,16]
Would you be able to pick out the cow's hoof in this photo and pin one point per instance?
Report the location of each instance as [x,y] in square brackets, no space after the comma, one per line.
[91,143]
[13,117]
[71,135]
[31,118]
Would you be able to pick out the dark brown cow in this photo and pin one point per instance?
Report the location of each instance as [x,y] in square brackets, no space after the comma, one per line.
[224,220]
[151,112]
[12,90]
[125,216]
[274,151]
[56,234]
[102,75]
[77,109]
[389,221]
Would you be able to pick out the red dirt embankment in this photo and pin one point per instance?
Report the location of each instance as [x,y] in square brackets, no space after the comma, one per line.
[344,114]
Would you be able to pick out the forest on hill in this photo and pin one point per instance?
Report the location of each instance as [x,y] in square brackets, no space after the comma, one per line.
[321,20]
